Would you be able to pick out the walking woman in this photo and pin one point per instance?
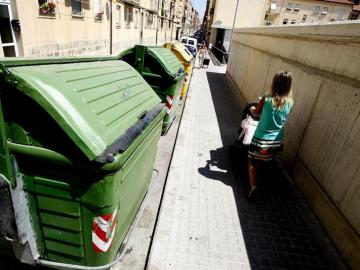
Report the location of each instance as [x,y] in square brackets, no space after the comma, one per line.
[273,110]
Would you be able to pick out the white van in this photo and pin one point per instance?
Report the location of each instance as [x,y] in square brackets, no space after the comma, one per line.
[190,43]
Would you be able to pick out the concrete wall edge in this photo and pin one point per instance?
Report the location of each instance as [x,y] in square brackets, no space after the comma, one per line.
[355,82]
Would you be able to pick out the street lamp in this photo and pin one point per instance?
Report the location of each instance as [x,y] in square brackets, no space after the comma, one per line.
[233,26]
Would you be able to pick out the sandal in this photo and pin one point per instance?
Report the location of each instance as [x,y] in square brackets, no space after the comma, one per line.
[252,195]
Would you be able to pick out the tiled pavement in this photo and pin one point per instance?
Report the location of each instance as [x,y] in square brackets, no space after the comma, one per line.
[205,221]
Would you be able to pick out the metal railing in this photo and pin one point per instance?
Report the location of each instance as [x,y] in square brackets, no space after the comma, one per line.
[221,55]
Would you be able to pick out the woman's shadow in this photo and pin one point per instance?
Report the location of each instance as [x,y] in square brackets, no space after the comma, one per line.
[228,164]
[218,167]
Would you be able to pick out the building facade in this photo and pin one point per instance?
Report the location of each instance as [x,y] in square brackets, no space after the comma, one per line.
[82,27]
[208,20]
[179,13]
[222,15]
[282,12]
[196,20]
[186,18]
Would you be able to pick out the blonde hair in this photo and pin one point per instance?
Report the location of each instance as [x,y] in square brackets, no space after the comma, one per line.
[280,90]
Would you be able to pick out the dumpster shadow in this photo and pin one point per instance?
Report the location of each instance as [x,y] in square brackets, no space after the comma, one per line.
[280,230]
[7,263]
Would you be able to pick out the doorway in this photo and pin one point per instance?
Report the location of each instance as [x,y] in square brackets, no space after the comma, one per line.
[8,42]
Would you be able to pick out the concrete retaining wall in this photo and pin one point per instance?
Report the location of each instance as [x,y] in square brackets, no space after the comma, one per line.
[323,131]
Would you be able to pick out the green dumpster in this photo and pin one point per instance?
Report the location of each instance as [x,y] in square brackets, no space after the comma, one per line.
[77,149]
[163,71]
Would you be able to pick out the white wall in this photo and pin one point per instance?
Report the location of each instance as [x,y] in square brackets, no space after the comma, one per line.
[249,13]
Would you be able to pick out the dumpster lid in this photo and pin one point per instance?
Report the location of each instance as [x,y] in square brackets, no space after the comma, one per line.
[94,102]
[183,51]
[166,59]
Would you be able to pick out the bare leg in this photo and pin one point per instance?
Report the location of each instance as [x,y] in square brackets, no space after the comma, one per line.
[252,176]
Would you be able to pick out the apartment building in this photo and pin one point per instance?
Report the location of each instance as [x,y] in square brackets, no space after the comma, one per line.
[221,17]
[282,12]
[186,18]
[82,27]
[208,19]
[196,20]
[178,15]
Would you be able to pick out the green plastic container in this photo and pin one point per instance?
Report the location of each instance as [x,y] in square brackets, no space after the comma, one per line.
[78,143]
[163,71]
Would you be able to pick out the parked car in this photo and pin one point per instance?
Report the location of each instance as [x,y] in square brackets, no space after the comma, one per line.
[200,37]
[190,44]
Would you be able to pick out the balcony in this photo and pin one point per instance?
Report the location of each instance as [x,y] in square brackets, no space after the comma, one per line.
[273,10]
[132,2]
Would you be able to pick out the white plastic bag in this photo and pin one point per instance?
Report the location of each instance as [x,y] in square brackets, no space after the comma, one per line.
[249,126]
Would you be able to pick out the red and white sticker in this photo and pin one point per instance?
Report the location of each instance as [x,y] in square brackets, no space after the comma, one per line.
[103,231]
[169,102]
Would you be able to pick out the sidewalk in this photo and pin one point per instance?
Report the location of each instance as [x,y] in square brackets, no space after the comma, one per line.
[205,221]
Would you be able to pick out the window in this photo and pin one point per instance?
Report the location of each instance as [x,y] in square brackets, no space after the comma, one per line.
[76,8]
[354,15]
[128,16]
[47,7]
[285,21]
[316,9]
[325,10]
[304,18]
[149,21]
[289,6]
[293,21]
[98,13]
[118,16]
[340,15]
[136,18]
[146,19]
[297,7]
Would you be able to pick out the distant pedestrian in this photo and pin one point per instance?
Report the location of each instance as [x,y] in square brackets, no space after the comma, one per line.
[273,110]
[202,54]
